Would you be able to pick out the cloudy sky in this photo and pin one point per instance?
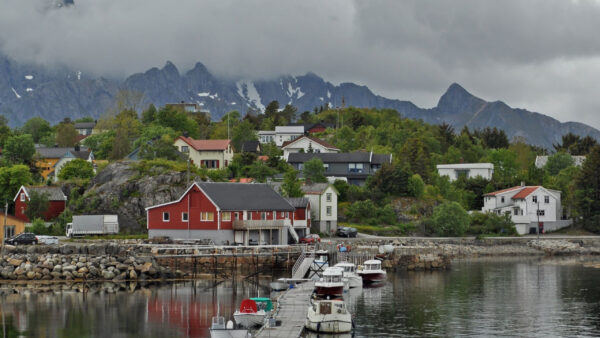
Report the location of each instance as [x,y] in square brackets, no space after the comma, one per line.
[542,55]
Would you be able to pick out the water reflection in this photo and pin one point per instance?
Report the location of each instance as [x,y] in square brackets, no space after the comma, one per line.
[508,297]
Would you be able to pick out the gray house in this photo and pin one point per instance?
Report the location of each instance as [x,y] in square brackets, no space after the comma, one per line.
[354,167]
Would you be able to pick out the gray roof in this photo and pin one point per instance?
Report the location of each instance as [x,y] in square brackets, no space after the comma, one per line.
[251,146]
[85,125]
[355,157]
[55,152]
[245,196]
[54,193]
[314,187]
[298,202]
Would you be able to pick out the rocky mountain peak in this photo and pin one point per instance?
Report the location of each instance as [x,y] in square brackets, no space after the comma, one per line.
[457,100]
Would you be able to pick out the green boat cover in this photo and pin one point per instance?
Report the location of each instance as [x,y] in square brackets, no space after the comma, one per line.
[266,301]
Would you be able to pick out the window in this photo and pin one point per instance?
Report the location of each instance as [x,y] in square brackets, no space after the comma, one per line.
[462,173]
[534,199]
[546,199]
[207,216]
[237,215]
[185,149]
[9,231]
[516,211]
[22,197]
[227,216]
[502,199]
[328,197]
[282,214]
[329,211]
[184,216]
[541,213]
[326,166]
[355,167]
[263,216]
[287,215]
[300,166]
[209,164]
[166,217]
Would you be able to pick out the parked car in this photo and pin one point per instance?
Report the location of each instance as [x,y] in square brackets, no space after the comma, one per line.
[47,239]
[24,238]
[346,232]
[310,239]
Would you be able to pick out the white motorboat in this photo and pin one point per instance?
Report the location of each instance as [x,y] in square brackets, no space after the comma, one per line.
[372,272]
[330,284]
[218,329]
[279,285]
[252,312]
[328,316]
[354,280]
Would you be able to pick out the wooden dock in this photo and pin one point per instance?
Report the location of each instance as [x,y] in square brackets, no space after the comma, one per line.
[292,308]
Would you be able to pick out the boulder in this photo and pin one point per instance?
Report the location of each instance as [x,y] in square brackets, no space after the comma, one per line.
[14,262]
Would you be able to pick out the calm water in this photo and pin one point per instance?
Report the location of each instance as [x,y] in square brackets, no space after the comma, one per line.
[476,298]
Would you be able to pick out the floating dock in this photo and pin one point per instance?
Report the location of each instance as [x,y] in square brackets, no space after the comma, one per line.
[292,308]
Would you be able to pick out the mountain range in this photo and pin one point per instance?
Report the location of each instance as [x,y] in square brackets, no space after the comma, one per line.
[28,90]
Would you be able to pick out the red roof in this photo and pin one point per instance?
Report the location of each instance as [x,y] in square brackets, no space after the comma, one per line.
[242,180]
[263,158]
[502,191]
[206,144]
[525,192]
[314,139]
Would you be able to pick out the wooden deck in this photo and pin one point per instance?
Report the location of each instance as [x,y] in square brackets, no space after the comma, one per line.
[292,308]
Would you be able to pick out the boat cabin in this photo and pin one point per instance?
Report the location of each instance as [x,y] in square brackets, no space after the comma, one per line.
[347,267]
[332,275]
[372,265]
[263,304]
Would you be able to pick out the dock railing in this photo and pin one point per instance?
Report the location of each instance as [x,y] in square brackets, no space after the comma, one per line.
[303,263]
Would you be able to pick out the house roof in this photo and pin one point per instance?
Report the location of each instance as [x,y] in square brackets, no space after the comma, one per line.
[314,188]
[53,193]
[242,180]
[290,129]
[251,146]
[494,193]
[235,196]
[85,125]
[357,157]
[525,192]
[206,144]
[55,152]
[298,202]
[314,139]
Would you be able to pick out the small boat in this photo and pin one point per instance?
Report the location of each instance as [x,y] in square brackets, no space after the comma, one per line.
[218,329]
[328,316]
[331,284]
[372,272]
[279,285]
[354,280]
[252,312]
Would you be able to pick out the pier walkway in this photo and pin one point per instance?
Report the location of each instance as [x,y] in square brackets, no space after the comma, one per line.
[292,308]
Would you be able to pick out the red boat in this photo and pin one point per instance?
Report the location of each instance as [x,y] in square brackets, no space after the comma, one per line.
[331,284]
[372,272]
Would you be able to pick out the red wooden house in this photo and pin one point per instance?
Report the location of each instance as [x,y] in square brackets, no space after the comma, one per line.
[225,213]
[56,198]
[301,217]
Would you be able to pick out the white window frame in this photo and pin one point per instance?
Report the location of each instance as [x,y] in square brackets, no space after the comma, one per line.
[328,197]
[263,216]
[185,217]
[541,212]
[534,199]
[168,218]
[546,199]
[22,197]
[204,216]
[329,210]
[226,216]
[185,149]
[237,215]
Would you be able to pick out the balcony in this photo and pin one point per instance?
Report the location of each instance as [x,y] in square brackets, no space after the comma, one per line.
[300,223]
[239,224]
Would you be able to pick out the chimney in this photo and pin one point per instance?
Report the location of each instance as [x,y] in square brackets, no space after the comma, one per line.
[522,183]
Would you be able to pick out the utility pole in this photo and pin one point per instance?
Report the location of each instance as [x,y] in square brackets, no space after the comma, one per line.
[538,221]
[4,226]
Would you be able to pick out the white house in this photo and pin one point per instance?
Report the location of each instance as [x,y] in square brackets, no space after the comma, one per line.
[281,134]
[307,144]
[211,154]
[323,199]
[469,170]
[527,205]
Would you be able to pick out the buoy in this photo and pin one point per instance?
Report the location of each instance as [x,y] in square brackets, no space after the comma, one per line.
[229,325]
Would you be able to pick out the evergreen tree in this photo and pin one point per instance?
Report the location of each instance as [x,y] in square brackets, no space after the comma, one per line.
[291,185]
[314,171]
[588,190]
[37,205]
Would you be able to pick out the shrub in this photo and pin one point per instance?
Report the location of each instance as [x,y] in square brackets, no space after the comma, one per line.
[76,168]
[450,219]
[38,227]
[491,224]
[416,186]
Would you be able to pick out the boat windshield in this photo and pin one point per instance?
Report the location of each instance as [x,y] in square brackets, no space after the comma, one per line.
[374,266]
[332,279]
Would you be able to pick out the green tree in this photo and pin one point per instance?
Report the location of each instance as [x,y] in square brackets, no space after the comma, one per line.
[37,205]
[38,227]
[558,162]
[416,186]
[490,223]
[37,127]
[450,219]
[149,115]
[76,168]
[160,148]
[291,184]
[390,179]
[588,190]
[66,134]
[177,120]
[260,171]
[11,179]
[493,138]
[314,170]
[242,132]
[101,144]
[19,148]
[5,131]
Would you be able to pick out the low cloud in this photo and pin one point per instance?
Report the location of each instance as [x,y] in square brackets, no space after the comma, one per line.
[542,55]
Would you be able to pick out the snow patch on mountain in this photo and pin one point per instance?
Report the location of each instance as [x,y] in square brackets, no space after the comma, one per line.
[16,94]
[247,90]
[28,77]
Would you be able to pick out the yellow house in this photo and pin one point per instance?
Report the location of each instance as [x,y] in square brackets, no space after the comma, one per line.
[211,154]
[14,226]
[51,160]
